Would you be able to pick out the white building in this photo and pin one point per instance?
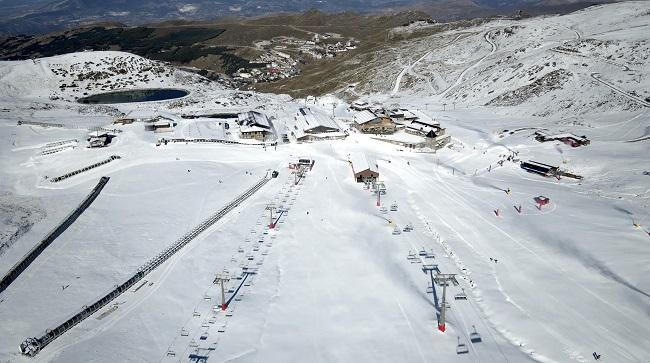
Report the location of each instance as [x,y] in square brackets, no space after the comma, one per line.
[310,125]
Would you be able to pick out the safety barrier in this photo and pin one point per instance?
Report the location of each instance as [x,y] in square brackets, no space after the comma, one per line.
[21,265]
[105,129]
[204,141]
[56,150]
[79,171]
[62,142]
[42,124]
[31,346]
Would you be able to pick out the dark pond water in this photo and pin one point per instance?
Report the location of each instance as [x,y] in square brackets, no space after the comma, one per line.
[128,96]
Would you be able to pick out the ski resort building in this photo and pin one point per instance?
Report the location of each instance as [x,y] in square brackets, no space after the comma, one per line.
[254,125]
[96,141]
[567,138]
[364,170]
[137,116]
[370,122]
[359,105]
[310,125]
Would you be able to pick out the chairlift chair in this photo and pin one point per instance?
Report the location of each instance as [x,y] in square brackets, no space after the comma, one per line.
[383,209]
[411,256]
[429,289]
[461,296]
[430,254]
[393,207]
[184,333]
[461,348]
[475,337]
[422,252]
[397,231]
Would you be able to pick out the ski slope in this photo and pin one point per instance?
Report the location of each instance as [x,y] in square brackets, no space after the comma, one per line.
[331,281]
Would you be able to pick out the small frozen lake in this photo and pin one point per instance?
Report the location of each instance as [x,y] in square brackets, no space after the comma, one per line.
[130,96]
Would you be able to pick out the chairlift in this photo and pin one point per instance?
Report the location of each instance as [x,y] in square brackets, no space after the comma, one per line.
[475,337]
[461,348]
[256,248]
[240,249]
[397,231]
[207,298]
[184,333]
[429,289]
[411,256]
[250,257]
[408,227]
[171,353]
[204,336]
[383,209]
[429,267]
[196,314]
[393,207]
[422,252]
[461,296]
[430,254]
[193,344]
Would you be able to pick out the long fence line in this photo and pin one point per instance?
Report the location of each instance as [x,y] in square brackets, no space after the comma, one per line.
[62,142]
[79,171]
[42,124]
[56,149]
[208,141]
[21,265]
[31,346]
[105,129]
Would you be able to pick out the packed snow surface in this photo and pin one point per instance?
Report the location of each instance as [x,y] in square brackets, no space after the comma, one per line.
[338,278]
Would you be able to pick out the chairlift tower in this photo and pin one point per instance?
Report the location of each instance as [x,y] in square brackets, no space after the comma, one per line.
[444,280]
[300,169]
[220,279]
[271,208]
[378,191]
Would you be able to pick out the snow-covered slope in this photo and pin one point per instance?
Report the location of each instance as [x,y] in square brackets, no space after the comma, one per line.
[590,61]
[334,282]
[73,76]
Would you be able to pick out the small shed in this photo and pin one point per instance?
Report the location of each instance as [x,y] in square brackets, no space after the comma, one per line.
[364,171]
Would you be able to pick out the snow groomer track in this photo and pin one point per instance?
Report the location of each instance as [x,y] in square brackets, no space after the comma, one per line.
[32,346]
[21,265]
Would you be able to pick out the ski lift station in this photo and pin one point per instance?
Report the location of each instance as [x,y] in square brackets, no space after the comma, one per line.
[364,170]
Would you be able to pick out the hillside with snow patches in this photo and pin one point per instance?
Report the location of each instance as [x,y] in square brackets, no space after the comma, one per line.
[338,278]
[546,65]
